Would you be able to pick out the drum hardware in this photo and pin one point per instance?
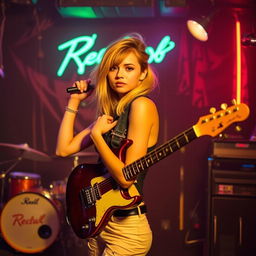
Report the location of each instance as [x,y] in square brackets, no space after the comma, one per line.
[58,189]
[24,152]
[82,154]
[3,176]
[75,162]
[26,186]
[77,156]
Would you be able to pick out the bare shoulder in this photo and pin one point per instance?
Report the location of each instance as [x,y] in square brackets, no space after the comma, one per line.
[144,121]
[143,104]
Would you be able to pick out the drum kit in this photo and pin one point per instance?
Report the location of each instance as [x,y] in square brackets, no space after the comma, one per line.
[31,217]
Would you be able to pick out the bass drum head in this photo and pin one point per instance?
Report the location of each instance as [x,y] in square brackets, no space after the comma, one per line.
[30,222]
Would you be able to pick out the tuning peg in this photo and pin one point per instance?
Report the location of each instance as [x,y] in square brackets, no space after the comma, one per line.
[224,106]
[212,110]
[233,101]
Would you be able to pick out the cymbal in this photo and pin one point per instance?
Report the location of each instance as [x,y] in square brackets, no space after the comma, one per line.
[27,152]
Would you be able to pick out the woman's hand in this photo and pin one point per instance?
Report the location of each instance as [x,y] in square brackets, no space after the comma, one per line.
[82,85]
[103,124]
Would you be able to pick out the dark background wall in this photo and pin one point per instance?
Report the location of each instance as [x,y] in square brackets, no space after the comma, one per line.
[193,77]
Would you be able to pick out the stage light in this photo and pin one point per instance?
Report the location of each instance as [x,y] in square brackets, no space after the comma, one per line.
[197,30]
[198,26]
[200,16]
[249,39]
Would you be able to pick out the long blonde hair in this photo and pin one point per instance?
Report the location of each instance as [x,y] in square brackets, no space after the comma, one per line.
[107,99]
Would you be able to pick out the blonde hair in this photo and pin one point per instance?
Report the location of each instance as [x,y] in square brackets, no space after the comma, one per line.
[107,98]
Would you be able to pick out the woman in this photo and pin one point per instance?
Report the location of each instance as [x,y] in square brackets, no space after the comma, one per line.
[123,79]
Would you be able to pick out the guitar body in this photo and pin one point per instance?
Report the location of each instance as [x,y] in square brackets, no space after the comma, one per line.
[91,198]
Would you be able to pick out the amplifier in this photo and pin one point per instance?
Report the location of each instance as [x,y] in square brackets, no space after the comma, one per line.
[233,177]
[234,149]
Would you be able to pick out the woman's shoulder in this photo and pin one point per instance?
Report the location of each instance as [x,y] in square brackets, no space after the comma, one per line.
[143,104]
[142,101]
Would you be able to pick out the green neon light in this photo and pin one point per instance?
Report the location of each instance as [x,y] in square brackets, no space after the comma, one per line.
[78,12]
[158,55]
[82,45]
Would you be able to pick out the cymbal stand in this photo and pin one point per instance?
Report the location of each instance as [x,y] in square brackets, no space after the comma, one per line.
[76,161]
[3,176]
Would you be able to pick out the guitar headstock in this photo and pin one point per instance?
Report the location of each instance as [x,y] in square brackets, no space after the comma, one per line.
[213,124]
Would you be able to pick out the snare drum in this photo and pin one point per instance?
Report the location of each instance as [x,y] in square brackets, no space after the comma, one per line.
[23,182]
[30,222]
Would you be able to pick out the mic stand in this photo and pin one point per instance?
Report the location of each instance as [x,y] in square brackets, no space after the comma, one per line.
[3,176]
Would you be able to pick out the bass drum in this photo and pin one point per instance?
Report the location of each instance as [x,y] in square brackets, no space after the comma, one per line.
[30,222]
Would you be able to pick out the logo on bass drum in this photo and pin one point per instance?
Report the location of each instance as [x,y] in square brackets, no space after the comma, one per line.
[19,219]
[28,201]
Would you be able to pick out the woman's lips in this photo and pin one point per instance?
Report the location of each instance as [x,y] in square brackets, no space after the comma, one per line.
[119,84]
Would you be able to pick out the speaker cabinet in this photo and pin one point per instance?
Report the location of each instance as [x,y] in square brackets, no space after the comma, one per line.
[232,207]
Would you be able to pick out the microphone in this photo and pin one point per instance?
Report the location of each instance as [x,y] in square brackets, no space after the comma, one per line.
[76,90]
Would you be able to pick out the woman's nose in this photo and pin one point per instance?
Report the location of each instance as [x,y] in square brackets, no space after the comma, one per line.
[119,73]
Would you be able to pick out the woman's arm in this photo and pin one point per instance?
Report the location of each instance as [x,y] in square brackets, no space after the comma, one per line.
[67,143]
[143,131]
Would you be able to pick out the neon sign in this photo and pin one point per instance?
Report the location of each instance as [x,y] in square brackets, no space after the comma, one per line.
[79,46]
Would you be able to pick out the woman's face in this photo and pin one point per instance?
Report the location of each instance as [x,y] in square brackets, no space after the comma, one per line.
[126,76]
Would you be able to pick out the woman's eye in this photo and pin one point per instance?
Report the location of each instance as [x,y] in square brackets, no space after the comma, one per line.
[113,68]
[129,68]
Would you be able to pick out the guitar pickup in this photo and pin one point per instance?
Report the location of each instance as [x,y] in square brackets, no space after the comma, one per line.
[97,191]
[89,195]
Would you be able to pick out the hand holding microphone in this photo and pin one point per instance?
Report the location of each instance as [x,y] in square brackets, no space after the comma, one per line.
[75,89]
[80,89]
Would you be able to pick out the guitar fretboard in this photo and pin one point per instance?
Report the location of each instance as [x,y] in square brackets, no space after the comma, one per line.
[132,170]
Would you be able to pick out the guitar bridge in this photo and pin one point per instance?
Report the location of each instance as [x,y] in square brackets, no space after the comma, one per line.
[89,195]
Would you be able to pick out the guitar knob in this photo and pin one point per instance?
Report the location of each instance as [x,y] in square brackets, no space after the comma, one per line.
[85,227]
[212,110]
[233,101]
[224,106]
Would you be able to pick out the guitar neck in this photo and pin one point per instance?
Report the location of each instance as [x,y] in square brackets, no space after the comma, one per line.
[132,170]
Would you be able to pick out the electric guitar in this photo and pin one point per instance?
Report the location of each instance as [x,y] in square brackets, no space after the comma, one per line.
[92,197]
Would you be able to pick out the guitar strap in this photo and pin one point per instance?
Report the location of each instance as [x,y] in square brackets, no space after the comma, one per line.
[115,137]
[119,133]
